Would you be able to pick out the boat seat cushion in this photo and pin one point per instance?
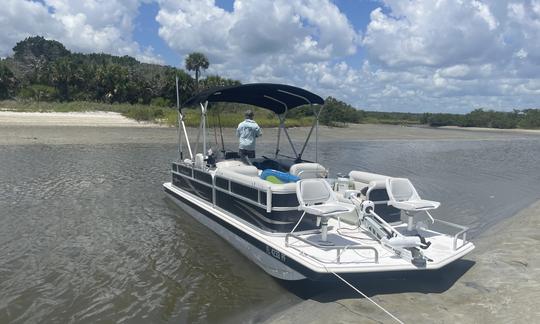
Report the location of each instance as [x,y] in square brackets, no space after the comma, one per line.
[366,177]
[250,178]
[326,209]
[308,170]
[229,163]
[248,170]
[415,205]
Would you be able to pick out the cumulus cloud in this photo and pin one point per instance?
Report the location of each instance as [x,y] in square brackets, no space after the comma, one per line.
[85,26]
[415,55]
[267,37]
[418,55]
[458,55]
[432,33]
[18,19]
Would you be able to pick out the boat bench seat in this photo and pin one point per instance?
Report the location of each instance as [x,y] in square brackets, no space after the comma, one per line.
[373,186]
[363,180]
[229,163]
[366,177]
[308,170]
[249,176]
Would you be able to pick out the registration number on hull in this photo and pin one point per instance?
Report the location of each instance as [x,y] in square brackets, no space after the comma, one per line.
[275,253]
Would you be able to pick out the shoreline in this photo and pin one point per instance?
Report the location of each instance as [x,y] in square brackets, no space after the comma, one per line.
[498,282]
[19,128]
[498,130]
[115,119]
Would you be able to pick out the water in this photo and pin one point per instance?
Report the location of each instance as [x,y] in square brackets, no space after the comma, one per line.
[87,235]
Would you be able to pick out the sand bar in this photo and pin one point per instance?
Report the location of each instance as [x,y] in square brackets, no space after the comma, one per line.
[111,128]
[485,129]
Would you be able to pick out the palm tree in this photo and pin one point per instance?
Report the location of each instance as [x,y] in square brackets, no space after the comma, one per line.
[195,62]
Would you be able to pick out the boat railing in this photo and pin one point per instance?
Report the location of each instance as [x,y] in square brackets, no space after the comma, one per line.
[462,233]
[340,249]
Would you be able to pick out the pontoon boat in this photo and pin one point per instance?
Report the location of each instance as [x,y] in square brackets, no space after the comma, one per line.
[286,214]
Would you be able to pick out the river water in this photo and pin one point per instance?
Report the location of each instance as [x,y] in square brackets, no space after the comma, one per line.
[87,234]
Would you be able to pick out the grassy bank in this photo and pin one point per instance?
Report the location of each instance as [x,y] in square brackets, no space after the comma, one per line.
[231,114]
[156,114]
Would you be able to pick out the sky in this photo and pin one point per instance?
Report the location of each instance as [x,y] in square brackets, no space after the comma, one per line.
[387,55]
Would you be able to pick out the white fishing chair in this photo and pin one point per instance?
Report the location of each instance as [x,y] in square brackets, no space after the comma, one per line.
[317,198]
[403,195]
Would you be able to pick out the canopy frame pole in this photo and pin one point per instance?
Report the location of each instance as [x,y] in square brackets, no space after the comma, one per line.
[221,133]
[182,124]
[282,124]
[180,151]
[315,126]
[290,140]
[295,95]
[179,131]
[186,135]
[198,136]
[214,126]
[203,121]
[317,134]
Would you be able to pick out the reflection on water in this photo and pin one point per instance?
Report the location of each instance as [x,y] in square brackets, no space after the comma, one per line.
[87,235]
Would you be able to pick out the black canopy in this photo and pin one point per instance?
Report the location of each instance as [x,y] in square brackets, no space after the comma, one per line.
[265,95]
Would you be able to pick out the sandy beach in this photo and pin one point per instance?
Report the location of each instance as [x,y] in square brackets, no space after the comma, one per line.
[498,283]
[110,128]
[90,118]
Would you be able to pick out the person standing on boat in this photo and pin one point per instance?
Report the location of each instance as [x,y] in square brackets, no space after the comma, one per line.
[247,132]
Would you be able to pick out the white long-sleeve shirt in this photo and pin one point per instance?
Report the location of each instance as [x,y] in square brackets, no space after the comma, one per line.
[247,132]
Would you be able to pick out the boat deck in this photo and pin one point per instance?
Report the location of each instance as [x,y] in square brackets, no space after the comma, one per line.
[359,251]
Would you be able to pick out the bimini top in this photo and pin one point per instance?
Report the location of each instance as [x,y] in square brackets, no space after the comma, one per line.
[275,97]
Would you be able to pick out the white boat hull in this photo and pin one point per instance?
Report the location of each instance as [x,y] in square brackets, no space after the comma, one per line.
[268,263]
[296,260]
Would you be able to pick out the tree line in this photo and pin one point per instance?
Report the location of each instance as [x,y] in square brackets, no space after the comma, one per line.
[44,70]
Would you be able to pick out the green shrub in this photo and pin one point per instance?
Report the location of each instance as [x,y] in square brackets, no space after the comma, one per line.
[160,102]
[530,119]
[38,92]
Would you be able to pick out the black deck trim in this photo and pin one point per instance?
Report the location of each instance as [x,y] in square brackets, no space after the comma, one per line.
[305,271]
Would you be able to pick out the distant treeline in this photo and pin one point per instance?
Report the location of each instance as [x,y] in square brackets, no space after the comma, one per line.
[528,118]
[43,70]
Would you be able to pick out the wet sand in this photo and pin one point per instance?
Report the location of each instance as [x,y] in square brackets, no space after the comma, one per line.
[498,283]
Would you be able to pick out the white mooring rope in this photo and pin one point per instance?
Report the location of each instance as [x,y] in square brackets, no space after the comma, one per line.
[364,295]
